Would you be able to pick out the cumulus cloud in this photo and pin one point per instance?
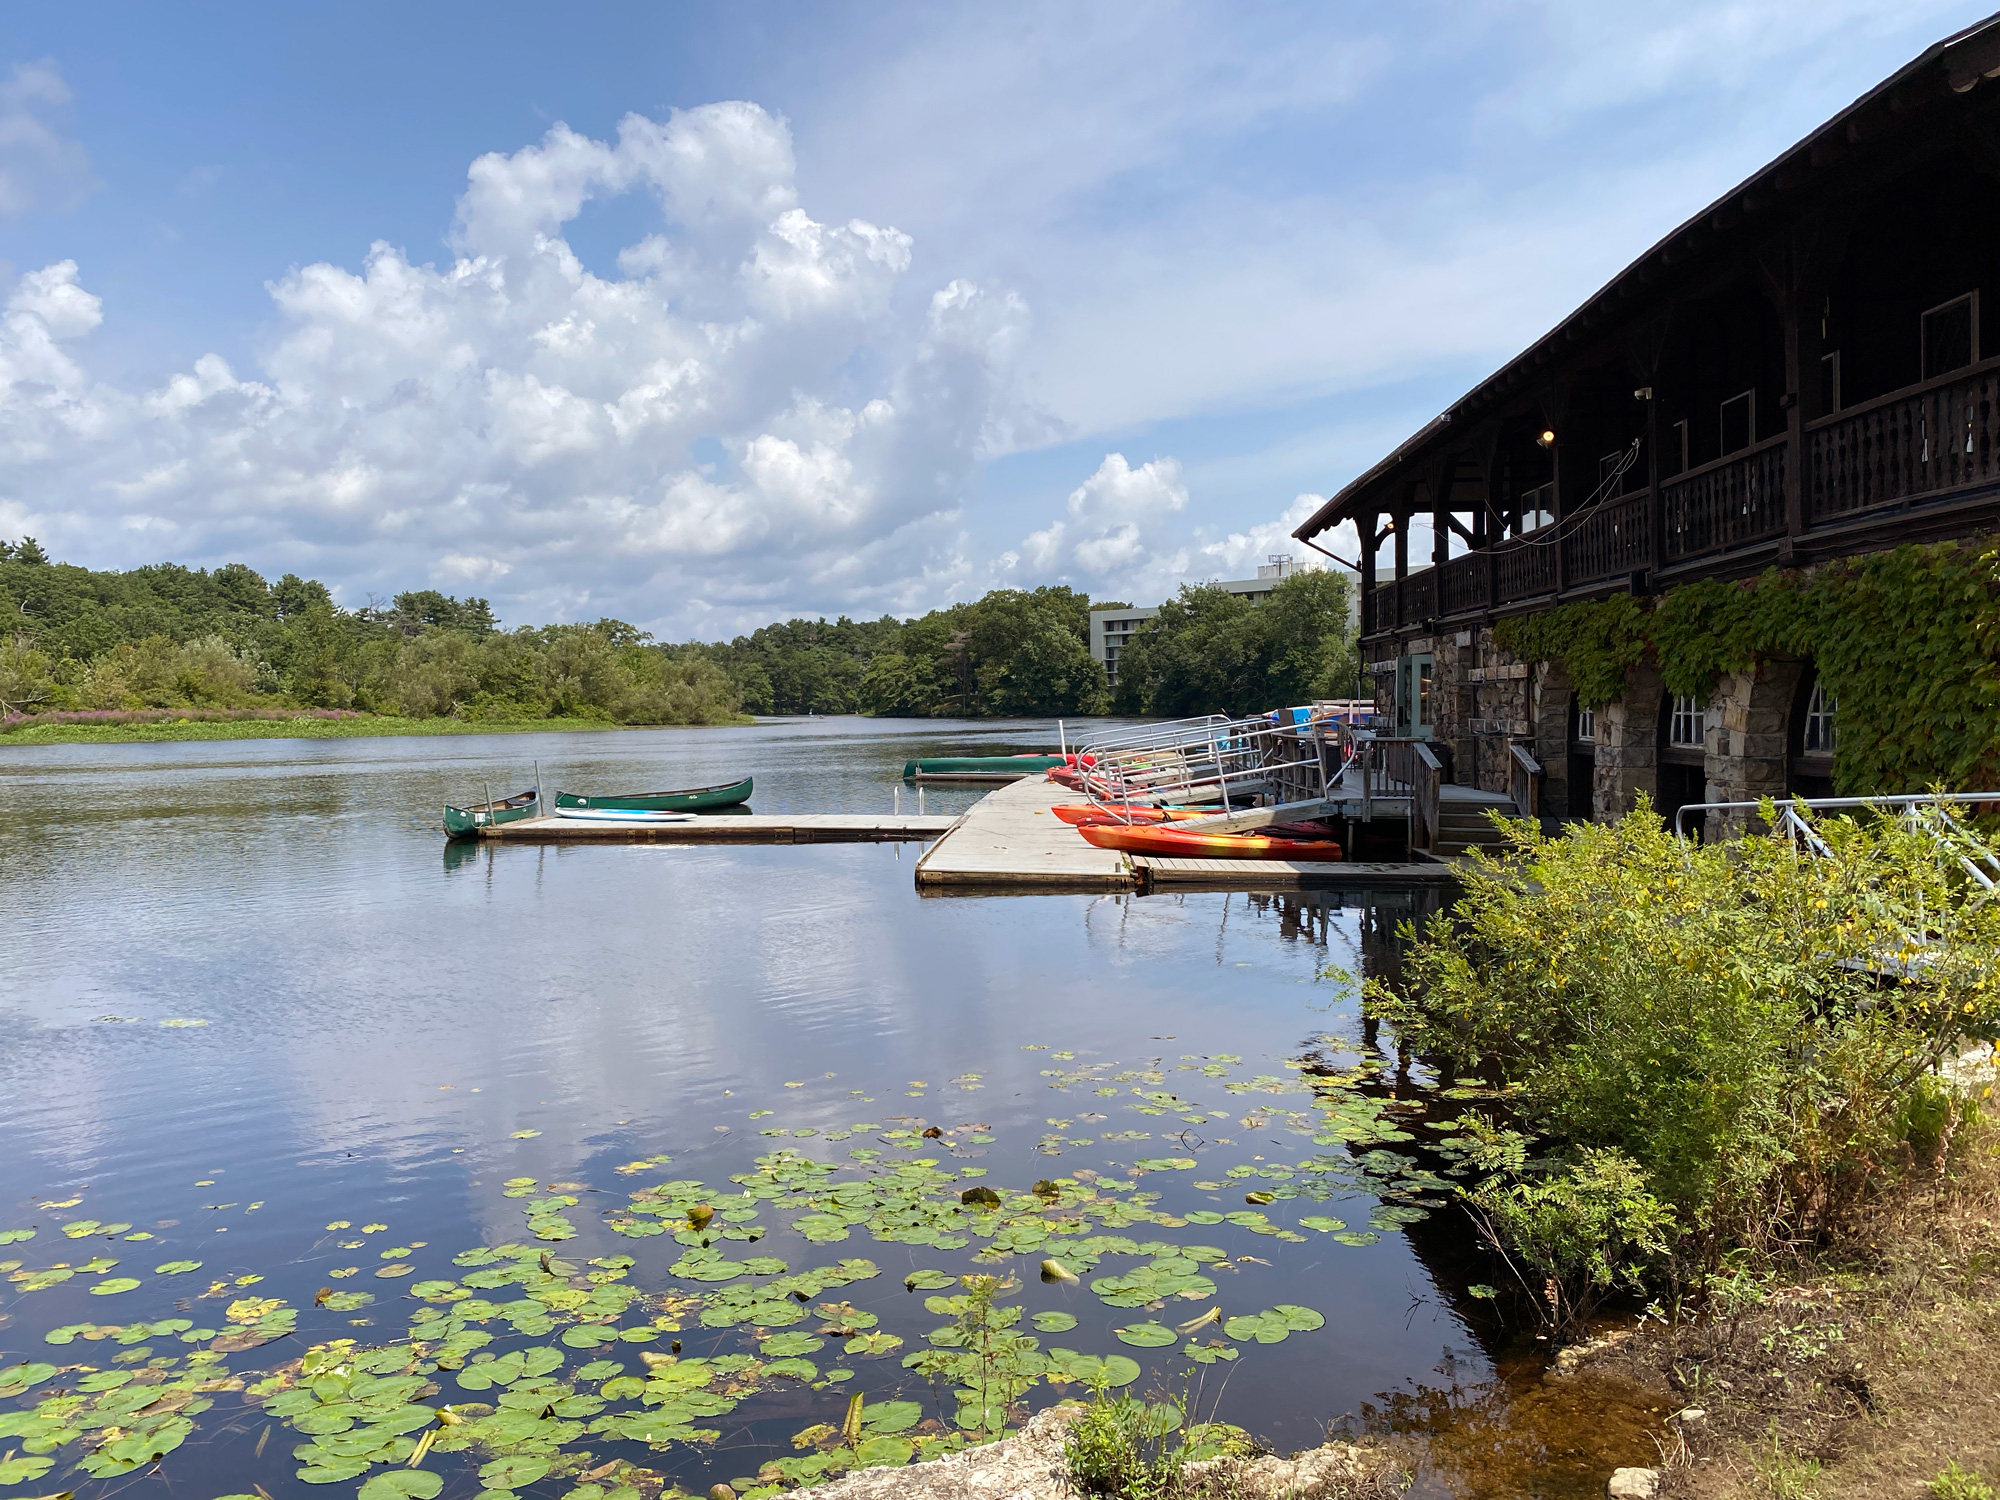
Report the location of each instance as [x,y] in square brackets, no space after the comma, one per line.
[514,421]
[40,168]
[1122,534]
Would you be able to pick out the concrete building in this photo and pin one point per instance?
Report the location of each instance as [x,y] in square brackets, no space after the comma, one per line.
[1112,629]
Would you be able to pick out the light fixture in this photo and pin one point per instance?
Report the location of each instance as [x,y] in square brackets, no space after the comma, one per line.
[1644,393]
[1547,439]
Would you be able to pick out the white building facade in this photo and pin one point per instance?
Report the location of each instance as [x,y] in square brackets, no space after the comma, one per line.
[1112,629]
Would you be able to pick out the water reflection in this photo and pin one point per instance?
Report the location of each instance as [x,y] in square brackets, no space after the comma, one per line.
[384,1029]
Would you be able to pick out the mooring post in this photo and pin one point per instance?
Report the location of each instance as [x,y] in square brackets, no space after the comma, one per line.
[487,786]
[541,811]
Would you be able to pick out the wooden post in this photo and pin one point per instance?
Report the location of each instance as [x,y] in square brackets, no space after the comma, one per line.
[1364,535]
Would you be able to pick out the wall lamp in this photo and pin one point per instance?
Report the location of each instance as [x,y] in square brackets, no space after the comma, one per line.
[1547,438]
[1644,393]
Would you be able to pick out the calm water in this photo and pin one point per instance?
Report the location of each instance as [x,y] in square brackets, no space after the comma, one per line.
[389,1031]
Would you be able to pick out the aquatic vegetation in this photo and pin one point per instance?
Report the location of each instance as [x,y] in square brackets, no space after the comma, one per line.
[606,1372]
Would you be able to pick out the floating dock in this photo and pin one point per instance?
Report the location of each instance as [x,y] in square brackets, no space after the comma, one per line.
[742,828]
[1011,840]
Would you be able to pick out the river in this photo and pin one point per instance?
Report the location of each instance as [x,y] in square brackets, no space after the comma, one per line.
[248,994]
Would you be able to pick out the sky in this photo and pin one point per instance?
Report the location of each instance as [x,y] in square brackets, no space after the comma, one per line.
[701,317]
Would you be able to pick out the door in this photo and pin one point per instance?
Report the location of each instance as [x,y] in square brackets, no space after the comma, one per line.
[1414,702]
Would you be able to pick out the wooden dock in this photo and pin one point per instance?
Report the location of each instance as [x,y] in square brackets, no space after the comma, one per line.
[1152,872]
[743,828]
[1010,840]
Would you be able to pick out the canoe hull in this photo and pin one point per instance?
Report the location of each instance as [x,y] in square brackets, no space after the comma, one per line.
[465,822]
[1175,843]
[986,765]
[622,815]
[691,799]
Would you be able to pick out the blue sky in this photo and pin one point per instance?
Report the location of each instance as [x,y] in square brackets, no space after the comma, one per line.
[835,308]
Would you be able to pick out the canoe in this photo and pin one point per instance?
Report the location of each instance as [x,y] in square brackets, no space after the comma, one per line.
[1077,813]
[464,822]
[693,799]
[1170,842]
[984,767]
[622,815]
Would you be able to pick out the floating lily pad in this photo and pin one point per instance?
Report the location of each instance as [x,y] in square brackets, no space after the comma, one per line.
[1054,1322]
[1145,1335]
[1275,1325]
[1323,1223]
[928,1281]
[15,1236]
[403,1484]
[784,1345]
[1208,1353]
[114,1285]
[176,1267]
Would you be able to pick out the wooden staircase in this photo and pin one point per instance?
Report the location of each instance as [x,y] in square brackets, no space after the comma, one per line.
[1463,822]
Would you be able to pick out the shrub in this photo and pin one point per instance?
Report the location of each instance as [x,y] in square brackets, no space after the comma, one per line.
[1752,1027]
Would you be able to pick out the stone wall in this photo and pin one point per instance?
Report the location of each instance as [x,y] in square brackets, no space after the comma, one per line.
[1628,747]
[1748,749]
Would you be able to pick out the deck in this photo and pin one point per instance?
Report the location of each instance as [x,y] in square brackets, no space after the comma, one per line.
[1009,839]
[1153,872]
[743,828]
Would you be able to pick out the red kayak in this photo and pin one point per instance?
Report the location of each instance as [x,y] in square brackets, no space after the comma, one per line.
[1077,813]
[1178,843]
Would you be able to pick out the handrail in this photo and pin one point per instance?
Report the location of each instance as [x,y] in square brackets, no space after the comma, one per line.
[1716,465]
[1815,804]
[1524,781]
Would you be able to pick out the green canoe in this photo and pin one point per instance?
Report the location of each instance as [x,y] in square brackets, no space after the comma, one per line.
[464,822]
[982,767]
[693,799]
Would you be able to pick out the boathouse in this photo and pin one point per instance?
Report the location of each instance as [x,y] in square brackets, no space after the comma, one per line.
[1755,413]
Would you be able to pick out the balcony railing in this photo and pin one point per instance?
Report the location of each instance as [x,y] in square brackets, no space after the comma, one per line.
[1910,446]
[1726,504]
[1937,436]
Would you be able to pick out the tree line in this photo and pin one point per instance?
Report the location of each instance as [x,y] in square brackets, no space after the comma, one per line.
[166,636]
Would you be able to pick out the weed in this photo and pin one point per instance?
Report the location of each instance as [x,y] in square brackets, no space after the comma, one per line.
[1954,1483]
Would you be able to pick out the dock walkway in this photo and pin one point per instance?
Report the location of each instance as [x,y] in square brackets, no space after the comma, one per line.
[742,828]
[1010,839]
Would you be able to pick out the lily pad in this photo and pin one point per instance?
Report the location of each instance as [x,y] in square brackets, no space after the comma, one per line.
[928,1281]
[114,1285]
[403,1484]
[23,1470]
[176,1267]
[15,1236]
[1054,1322]
[1145,1335]
[1275,1325]
[785,1345]
[514,1470]
[1323,1223]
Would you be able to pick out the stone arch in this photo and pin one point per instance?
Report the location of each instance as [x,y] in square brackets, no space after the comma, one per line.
[1749,738]
[1628,745]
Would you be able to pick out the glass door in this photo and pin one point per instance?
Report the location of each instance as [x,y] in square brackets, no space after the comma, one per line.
[1414,710]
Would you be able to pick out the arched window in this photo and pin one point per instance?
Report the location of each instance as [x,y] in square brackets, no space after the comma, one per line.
[1813,739]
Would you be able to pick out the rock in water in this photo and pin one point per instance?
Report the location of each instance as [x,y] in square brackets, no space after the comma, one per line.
[1632,1484]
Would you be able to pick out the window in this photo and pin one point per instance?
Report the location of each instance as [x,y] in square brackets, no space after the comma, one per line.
[1537,508]
[1586,726]
[1424,693]
[1818,739]
[1677,446]
[1949,333]
[1690,723]
[1829,383]
[1739,421]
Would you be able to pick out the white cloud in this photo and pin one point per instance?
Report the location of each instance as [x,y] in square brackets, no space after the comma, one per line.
[41,169]
[513,421]
[1122,534]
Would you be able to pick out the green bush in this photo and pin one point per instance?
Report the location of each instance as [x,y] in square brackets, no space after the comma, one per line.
[1714,1046]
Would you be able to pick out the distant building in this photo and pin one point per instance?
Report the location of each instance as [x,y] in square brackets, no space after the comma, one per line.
[1112,629]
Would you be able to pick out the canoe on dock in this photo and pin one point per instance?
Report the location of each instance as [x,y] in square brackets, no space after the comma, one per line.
[692,799]
[982,767]
[464,822]
[1167,840]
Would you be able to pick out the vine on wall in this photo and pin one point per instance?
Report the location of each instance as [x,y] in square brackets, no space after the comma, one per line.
[1907,641]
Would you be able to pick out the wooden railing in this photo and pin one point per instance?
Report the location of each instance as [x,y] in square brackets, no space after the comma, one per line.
[1409,768]
[1922,441]
[1524,781]
[1728,503]
[1937,436]
[1611,539]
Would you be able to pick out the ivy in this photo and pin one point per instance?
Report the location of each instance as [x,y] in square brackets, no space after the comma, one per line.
[1907,641]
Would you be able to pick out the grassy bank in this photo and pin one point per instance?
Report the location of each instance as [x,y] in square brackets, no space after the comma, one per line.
[1870,1372]
[282,729]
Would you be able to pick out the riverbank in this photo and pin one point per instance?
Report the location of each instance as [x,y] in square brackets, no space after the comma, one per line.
[303,726]
[1865,1376]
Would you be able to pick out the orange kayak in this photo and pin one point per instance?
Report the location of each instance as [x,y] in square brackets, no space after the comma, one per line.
[1121,812]
[1165,839]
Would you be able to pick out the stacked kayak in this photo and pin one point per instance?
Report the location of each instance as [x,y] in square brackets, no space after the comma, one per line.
[1078,813]
[463,822]
[622,815]
[690,800]
[1166,840]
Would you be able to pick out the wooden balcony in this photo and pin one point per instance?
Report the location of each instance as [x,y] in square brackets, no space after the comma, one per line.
[1919,449]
